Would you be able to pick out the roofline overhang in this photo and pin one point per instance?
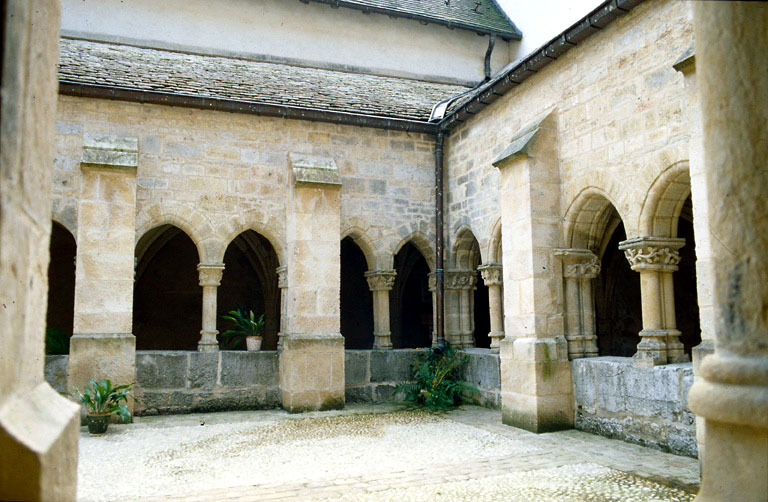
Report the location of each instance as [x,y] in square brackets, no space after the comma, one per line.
[514,34]
[82,90]
[596,20]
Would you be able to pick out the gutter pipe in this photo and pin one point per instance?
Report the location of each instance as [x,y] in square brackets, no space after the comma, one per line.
[439,247]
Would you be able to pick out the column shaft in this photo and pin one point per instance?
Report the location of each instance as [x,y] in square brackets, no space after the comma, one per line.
[380,283]
[210,279]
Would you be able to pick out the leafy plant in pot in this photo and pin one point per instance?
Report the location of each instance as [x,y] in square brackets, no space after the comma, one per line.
[101,401]
[246,327]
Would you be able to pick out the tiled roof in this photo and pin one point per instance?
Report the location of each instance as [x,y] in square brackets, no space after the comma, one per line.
[483,16]
[175,73]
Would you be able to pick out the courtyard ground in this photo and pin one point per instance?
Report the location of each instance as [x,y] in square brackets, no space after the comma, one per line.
[369,453]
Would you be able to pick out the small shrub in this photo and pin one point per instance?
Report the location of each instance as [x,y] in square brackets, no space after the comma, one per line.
[56,342]
[437,380]
[100,398]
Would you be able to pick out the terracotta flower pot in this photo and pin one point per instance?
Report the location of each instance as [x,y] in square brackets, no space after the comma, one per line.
[97,424]
[253,343]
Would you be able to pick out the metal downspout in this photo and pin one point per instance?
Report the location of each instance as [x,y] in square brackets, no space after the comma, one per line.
[488,53]
[439,250]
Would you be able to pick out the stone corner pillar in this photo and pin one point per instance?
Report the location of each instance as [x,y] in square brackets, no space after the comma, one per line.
[210,279]
[536,387]
[656,259]
[312,355]
[103,345]
[730,392]
[492,277]
[282,284]
[580,266]
[380,283]
[39,429]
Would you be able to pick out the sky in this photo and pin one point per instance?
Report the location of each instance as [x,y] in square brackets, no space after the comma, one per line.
[540,20]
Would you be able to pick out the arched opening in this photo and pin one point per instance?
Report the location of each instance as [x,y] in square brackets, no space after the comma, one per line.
[356,298]
[686,297]
[61,290]
[167,298]
[411,300]
[250,281]
[617,301]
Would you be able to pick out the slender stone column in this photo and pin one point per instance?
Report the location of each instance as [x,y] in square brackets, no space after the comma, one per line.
[491,273]
[432,282]
[282,283]
[210,279]
[656,259]
[580,266]
[380,282]
[731,388]
[459,285]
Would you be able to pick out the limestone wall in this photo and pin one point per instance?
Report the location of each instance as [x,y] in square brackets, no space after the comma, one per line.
[216,174]
[618,106]
[642,405]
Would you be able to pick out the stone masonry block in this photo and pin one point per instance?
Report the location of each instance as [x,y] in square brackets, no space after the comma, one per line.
[356,364]
[161,370]
[392,365]
[246,369]
[203,370]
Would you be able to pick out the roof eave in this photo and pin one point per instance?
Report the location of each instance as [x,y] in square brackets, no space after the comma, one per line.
[513,34]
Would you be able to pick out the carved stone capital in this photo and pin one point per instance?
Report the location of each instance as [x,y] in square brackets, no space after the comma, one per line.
[491,274]
[649,253]
[210,273]
[460,279]
[380,280]
[432,281]
[579,263]
[282,277]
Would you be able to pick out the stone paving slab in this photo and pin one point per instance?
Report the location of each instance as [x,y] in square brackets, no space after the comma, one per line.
[403,455]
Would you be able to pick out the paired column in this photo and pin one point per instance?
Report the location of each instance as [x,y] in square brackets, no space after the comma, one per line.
[580,266]
[491,274]
[282,284]
[380,282]
[731,388]
[210,279]
[656,260]
[459,286]
[432,286]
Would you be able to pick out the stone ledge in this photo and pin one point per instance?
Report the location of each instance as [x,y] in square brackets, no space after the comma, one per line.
[105,150]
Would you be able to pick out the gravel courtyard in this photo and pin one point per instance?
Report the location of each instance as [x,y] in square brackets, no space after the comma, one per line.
[369,453]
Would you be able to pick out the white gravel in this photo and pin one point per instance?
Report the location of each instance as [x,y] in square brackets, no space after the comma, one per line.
[146,460]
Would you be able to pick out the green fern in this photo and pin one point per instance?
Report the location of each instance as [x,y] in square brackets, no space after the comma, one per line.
[437,380]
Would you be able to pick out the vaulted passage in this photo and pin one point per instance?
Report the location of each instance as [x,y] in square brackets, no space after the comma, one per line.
[482,314]
[61,284]
[617,301]
[356,298]
[167,298]
[411,300]
[250,281]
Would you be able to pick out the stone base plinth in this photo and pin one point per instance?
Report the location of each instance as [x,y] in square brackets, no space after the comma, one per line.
[312,372]
[536,389]
[102,355]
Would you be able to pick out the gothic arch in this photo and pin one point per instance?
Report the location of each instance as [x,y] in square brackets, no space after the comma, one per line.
[185,218]
[587,220]
[494,252]
[361,239]
[260,222]
[466,253]
[421,242]
[664,201]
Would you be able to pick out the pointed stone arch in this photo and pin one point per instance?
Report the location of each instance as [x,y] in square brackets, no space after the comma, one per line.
[588,218]
[421,241]
[268,226]
[494,252]
[183,216]
[665,200]
[362,239]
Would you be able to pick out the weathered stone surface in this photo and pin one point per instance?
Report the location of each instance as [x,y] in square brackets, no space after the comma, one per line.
[392,365]
[203,370]
[644,405]
[356,367]
[56,372]
[248,369]
[161,370]
[482,369]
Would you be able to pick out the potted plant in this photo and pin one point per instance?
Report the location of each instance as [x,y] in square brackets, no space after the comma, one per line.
[247,327]
[101,401]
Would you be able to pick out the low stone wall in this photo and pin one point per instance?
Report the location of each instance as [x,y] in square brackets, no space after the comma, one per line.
[483,372]
[642,405]
[185,382]
[371,375]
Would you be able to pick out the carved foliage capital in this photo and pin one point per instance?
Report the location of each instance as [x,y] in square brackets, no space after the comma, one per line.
[460,279]
[380,280]
[282,277]
[491,274]
[210,273]
[579,263]
[646,253]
